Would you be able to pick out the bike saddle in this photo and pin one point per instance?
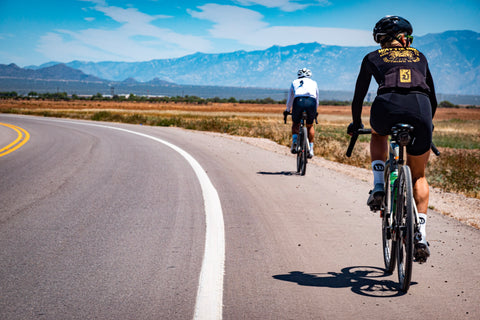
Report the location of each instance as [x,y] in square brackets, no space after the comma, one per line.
[401,133]
[402,127]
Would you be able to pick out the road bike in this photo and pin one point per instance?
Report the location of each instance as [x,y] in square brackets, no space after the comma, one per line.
[303,145]
[400,222]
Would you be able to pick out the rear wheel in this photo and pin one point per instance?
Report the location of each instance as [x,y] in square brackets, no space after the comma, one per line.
[405,228]
[389,245]
[299,152]
[302,155]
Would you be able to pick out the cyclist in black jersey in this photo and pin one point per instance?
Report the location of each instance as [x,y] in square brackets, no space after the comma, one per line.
[405,94]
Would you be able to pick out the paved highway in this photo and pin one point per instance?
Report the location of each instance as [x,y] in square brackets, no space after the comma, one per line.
[114,221]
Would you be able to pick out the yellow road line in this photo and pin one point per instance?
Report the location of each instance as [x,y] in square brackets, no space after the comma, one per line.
[22,138]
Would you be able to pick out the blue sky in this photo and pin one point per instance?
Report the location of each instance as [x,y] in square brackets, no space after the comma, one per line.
[33,32]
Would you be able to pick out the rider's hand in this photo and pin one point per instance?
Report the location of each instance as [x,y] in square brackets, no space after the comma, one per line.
[354,126]
[285,113]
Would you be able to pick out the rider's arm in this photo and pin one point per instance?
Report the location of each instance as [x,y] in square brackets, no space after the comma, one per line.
[433,98]
[361,89]
[291,96]
[318,96]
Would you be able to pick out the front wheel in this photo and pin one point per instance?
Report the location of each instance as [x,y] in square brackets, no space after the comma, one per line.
[302,152]
[299,154]
[404,222]
[388,234]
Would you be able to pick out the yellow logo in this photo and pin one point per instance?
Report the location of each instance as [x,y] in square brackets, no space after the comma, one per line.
[399,55]
[405,75]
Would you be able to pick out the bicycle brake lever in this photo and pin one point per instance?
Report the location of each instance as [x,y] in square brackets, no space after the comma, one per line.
[435,150]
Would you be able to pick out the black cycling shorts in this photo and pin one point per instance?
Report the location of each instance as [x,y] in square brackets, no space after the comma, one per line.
[300,104]
[389,109]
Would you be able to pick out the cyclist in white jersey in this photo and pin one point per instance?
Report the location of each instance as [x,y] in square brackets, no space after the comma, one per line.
[303,96]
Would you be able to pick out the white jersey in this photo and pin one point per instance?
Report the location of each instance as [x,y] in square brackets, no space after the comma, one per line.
[302,87]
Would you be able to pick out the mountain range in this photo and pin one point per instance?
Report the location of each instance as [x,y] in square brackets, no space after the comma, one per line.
[454,60]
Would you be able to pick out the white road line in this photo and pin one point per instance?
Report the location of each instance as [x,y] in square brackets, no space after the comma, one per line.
[209,303]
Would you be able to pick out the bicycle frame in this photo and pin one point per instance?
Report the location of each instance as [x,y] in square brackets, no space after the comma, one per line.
[303,143]
[303,120]
[397,147]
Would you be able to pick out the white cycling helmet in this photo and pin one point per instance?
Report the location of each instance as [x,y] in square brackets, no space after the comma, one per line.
[304,73]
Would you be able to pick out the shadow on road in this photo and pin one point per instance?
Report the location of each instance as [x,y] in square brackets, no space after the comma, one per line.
[279,173]
[365,281]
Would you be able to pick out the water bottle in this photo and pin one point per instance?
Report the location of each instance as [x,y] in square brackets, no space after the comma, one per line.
[393,177]
[393,194]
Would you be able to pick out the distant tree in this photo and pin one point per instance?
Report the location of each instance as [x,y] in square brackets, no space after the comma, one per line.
[97,96]
[267,101]
[116,97]
[447,104]
[8,95]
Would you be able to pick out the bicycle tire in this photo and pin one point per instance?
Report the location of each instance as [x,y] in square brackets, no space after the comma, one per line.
[304,150]
[388,234]
[405,233]
[299,151]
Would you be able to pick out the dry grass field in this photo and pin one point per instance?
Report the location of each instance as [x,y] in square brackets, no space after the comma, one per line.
[457,131]
[87,105]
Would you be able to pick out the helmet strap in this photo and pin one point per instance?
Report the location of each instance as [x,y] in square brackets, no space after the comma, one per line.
[401,38]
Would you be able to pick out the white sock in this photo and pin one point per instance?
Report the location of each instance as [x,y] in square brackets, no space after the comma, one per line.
[422,217]
[311,147]
[378,166]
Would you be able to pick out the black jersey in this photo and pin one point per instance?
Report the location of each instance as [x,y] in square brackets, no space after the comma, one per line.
[401,70]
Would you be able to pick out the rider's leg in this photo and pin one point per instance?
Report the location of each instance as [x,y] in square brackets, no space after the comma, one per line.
[417,166]
[378,155]
[311,132]
[378,147]
[295,130]
[311,137]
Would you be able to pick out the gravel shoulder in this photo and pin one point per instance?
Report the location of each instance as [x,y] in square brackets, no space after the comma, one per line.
[458,206]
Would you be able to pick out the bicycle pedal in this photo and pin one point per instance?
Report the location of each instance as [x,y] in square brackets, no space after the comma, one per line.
[421,253]
[389,233]
[420,260]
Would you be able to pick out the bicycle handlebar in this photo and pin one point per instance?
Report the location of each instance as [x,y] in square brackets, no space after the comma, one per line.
[435,150]
[286,114]
[355,135]
[354,138]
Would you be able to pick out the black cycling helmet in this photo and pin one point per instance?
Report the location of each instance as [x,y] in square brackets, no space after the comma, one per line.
[391,26]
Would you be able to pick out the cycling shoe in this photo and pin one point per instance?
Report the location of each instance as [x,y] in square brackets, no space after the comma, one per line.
[294,148]
[310,154]
[421,252]
[375,200]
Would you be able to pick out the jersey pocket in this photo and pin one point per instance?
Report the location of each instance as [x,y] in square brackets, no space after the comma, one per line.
[403,77]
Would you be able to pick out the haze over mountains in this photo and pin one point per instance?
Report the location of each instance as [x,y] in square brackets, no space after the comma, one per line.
[454,59]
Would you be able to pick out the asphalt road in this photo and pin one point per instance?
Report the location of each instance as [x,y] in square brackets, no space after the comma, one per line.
[100,223]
